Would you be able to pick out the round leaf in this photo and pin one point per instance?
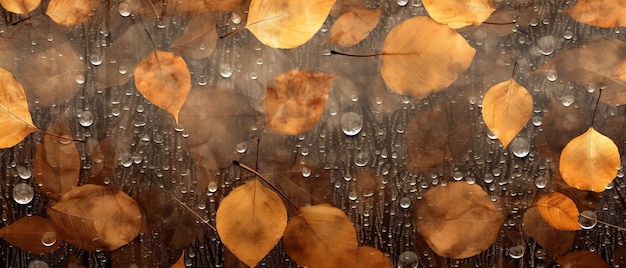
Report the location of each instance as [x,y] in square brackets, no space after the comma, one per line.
[70,12]
[459,13]
[20,6]
[555,242]
[33,234]
[601,13]
[507,107]
[353,26]
[559,211]
[15,119]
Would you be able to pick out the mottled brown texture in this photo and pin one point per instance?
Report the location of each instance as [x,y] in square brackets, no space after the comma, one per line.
[555,242]
[29,233]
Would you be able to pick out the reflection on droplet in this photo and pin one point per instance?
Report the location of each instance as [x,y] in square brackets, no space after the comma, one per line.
[225,70]
[403,2]
[547,44]
[212,187]
[242,147]
[520,147]
[124,9]
[38,264]
[80,79]
[48,239]
[567,100]
[351,123]
[86,119]
[23,193]
[568,34]
[537,120]
[587,219]
[408,259]
[95,59]
[516,252]
[126,159]
[306,172]
[541,182]
[361,159]
[457,175]
[24,172]
[405,202]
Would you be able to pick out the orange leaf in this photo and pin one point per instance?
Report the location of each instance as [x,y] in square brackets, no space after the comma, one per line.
[507,107]
[20,6]
[559,211]
[589,161]
[94,217]
[354,26]
[582,259]
[250,221]
[163,79]
[295,100]
[199,38]
[181,262]
[368,257]
[33,234]
[202,6]
[458,220]
[459,13]
[555,242]
[321,236]
[70,12]
[601,13]
[15,119]
[56,164]
[287,23]
[421,56]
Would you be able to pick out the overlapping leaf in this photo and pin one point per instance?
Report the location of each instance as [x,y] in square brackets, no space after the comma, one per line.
[559,211]
[202,6]
[555,242]
[459,13]
[582,259]
[20,6]
[601,13]
[33,234]
[70,12]
[15,119]
[353,26]
[507,107]
[199,38]
[369,257]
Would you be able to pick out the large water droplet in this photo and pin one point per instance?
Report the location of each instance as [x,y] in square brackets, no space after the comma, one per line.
[24,172]
[361,159]
[48,239]
[225,70]
[551,75]
[95,59]
[516,252]
[405,202]
[587,219]
[351,123]
[86,119]
[408,259]
[541,182]
[124,9]
[23,193]
[520,147]
[547,44]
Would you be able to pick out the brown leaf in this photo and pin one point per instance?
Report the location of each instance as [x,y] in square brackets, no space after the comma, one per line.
[56,164]
[354,26]
[136,254]
[295,100]
[70,12]
[560,125]
[33,234]
[601,13]
[618,259]
[459,13]
[181,262]
[419,68]
[20,6]
[559,211]
[287,23]
[555,242]
[582,259]
[93,217]
[321,236]
[507,107]
[250,221]
[458,220]
[202,6]
[15,119]
[163,79]
[156,207]
[369,257]
[104,160]
[199,38]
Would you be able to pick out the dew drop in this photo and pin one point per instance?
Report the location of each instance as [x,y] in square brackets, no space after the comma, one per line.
[212,187]
[48,239]
[225,70]
[568,34]
[122,69]
[537,120]
[541,182]
[402,2]
[587,219]
[405,202]
[24,172]
[567,100]
[408,259]
[516,252]
[551,75]
[23,193]
[242,147]
[351,123]
[547,44]
[124,9]
[86,119]
[235,18]
[361,159]
[520,147]
[95,59]
[457,175]
[306,172]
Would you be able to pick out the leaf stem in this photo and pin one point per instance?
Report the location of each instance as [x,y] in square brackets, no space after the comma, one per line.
[333,52]
[154,9]
[266,181]
[193,212]
[231,33]
[595,110]
[603,222]
[58,136]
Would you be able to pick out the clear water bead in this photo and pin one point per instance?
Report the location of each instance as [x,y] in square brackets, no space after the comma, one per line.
[408,259]
[86,119]
[587,219]
[225,70]
[351,123]
[48,239]
[520,147]
[124,9]
[516,252]
[23,193]
[405,202]
[361,159]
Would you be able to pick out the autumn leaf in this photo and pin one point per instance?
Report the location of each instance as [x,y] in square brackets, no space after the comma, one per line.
[20,6]
[421,56]
[295,100]
[601,13]
[56,164]
[15,119]
[140,254]
[459,13]
[157,208]
[458,220]
[555,242]
[321,236]
[369,257]
[582,259]
[199,38]
[590,161]
[354,26]
[181,262]
[33,234]
[250,221]
[560,125]
[93,217]
[103,156]
[163,79]
[286,23]
[507,107]
[202,6]
[559,211]
[70,12]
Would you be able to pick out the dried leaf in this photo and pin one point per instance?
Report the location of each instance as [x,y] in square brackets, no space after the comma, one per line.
[295,100]
[459,13]
[20,6]
[559,211]
[94,217]
[287,23]
[70,12]
[33,234]
[144,254]
[421,56]
[582,259]
[555,242]
[560,125]
[458,220]
[56,164]
[15,119]
[321,236]
[618,259]
[590,161]
[601,13]
[250,221]
[507,107]
[369,257]
[354,26]
[181,262]
[104,160]
[199,38]
[202,6]
[163,79]
[157,208]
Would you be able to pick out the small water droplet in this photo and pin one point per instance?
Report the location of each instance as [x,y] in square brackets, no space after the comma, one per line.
[457,175]
[254,75]
[408,259]
[520,147]
[567,100]
[23,193]
[402,2]
[24,172]
[126,159]
[568,34]
[242,147]
[541,182]
[124,9]
[86,119]
[48,239]
[80,79]
[516,252]
[361,159]
[306,172]
[212,187]
[122,69]
[405,202]
[235,18]
[95,59]
[587,219]
[225,70]
[351,123]
[551,75]
[537,120]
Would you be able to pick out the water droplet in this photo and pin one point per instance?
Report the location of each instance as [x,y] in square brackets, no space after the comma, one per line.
[408,259]
[551,75]
[24,172]
[568,34]
[38,264]
[202,80]
[361,159]
[541,182]
[609,186]
[235,18]
[405,202]
[23,193]
[122,69]
[516,252]
[212,187]
[306,172]
[567,100]
[95,59]
[402,2]
[225,70]
[80,79]
[547,44]
[537,120]
[86,119]
[352,195]
[351,123]
[124,9]
[520,147]
[126,159]
[457,175]
[242,147]
[587,219]
[254,75]
[48,238]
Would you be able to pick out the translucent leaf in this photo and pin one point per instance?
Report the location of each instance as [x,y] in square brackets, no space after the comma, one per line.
[15,119]
[369,257]
[250,221]
[163,79]
[33,234]
[70,12]
[295,100]
[601,13]
[199,38]
[157,208]
[507,107]
[202,6]
[582,259]
[459,13]
[555,242]
[287,23]
[458,220]
[421,56]
[94,217]
[20,6]
[559,211]
[353,26]
[321,236]
[589,161]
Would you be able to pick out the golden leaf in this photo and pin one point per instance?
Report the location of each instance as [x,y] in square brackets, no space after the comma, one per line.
[15,119]
[93,217]
[250,221]
[33,234]
[369,257]
[421,56]
[321,236]
[353,26]
[163,79]
[555,242]
[202,6]
[70,12]
[20,6]
[199,38]
[295,100]
[601,13]
[287,23]
[181,262]
[559,211]
[507,107]
[458,220]
[582,259]
[459,13]
[589,161]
